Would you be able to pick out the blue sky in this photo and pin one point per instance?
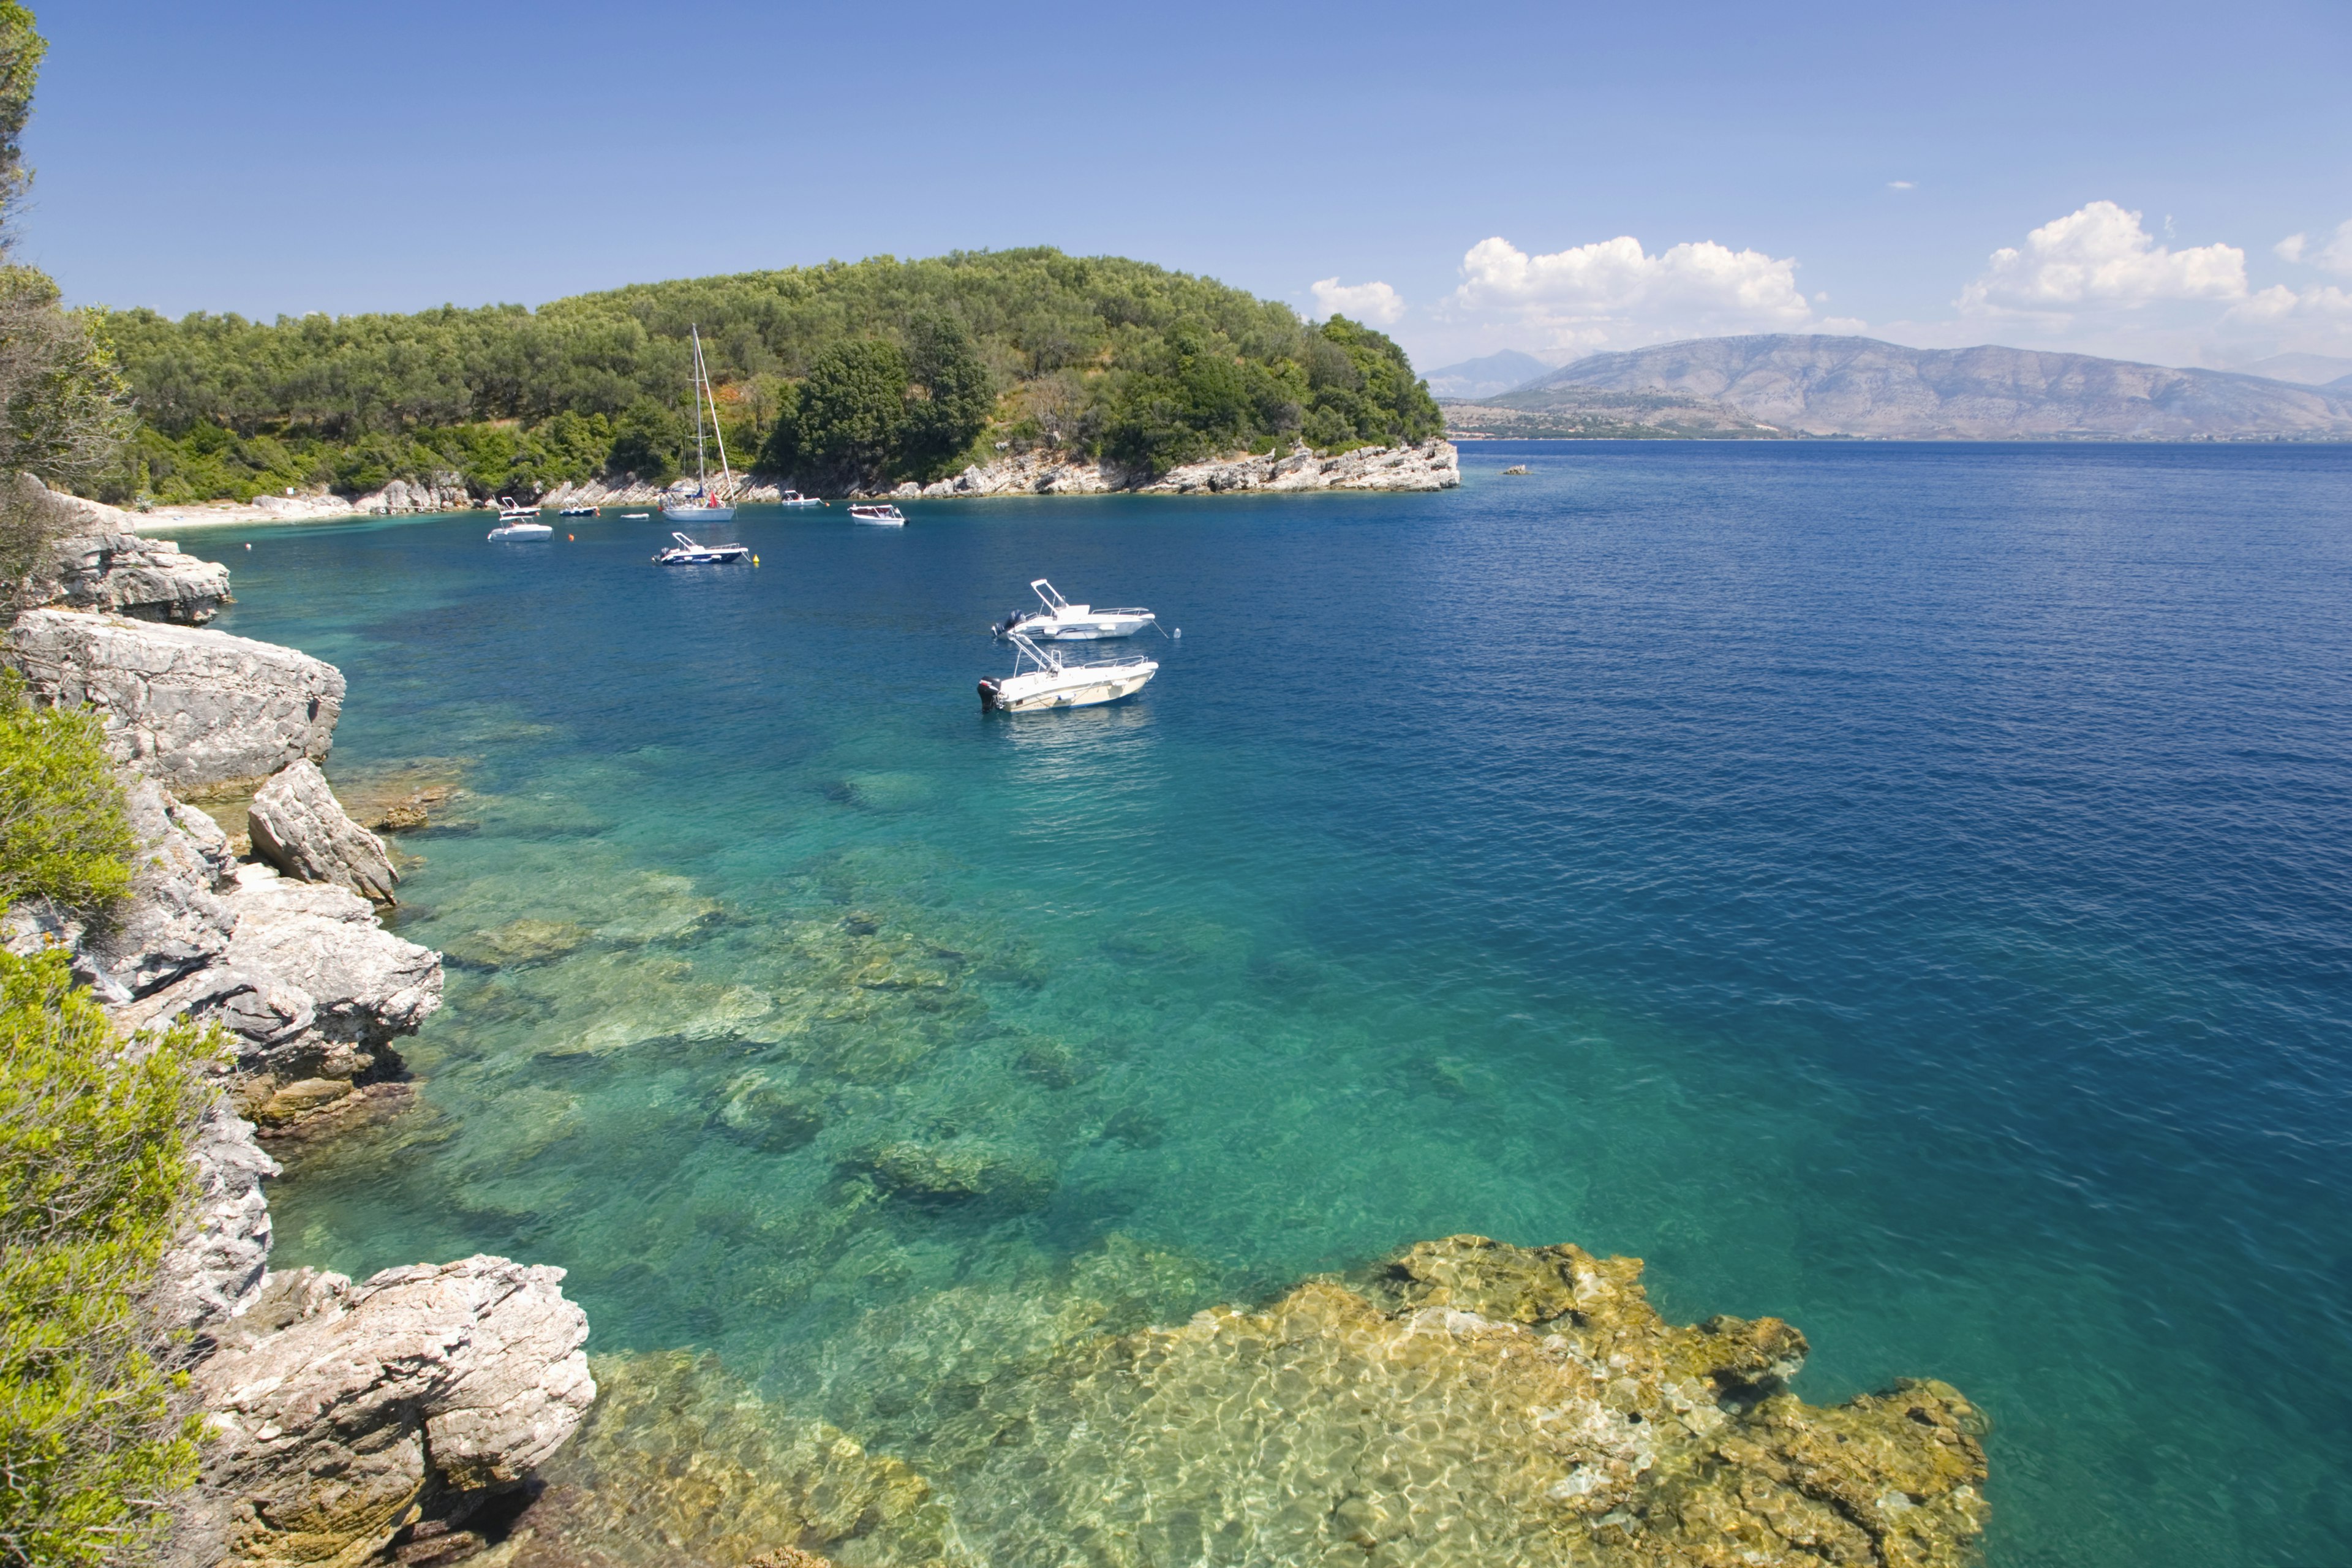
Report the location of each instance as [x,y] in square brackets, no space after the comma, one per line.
[1557,178]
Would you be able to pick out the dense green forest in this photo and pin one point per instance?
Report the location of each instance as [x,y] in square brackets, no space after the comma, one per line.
[844,374]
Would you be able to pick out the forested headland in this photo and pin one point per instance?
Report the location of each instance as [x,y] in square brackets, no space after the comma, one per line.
[846,374]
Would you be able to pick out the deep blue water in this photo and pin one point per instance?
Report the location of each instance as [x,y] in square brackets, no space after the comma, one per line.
[1907,890]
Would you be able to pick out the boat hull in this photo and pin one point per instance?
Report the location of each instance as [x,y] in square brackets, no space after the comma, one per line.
[699,513]
[1097,628]
[521,530]
[1071,689]
[734,555]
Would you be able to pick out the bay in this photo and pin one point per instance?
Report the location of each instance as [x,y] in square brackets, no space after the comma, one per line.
[1903,888]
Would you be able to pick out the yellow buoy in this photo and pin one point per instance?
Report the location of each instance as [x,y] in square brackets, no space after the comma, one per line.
[755,561]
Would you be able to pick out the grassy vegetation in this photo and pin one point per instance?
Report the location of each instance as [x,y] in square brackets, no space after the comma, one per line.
[879,370]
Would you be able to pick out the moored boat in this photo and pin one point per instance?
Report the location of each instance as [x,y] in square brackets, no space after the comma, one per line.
[885,515]
[701,504]
[513,511]
[580,512]
[521,530]
[1040,679]
[1060,621]
[688,553]
[794,498]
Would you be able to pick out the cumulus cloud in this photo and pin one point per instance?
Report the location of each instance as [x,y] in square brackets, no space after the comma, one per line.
[1375,302]
[1613,293]
[2100,255]
[2336,256]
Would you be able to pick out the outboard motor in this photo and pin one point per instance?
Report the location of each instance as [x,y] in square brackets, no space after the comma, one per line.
[989,691]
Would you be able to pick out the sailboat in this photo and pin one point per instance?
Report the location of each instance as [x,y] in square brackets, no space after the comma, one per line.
[702,506]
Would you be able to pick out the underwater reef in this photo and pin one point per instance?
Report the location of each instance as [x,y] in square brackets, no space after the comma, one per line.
[1467,1402]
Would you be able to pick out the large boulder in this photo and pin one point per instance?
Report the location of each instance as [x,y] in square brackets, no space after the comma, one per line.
[342,1412]
[299,827]
[172,923]
[187,705]
[146,579]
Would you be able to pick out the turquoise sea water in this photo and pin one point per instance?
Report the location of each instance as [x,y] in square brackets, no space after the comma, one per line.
[1906,889]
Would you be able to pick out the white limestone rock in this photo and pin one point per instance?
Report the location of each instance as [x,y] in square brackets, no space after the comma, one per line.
[299,827]
[337,1408]
[215,1268]
[1431,466]
[185,705]
[366,985]
[172,922]
[144,579]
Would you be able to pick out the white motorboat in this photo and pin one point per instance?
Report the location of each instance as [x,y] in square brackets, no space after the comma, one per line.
[1060,621]
[579,511]
[634,515]
[701,505]
[885,515]
[520,522]
[794,498]
[1047,682]
[687,552]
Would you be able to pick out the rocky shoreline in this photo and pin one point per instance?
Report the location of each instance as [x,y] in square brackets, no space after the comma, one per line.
[1429,466]
[341,1415]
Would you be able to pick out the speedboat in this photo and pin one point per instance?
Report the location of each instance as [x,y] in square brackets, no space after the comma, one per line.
[794,498]
[687,552]
[1040,679]
[634,515]
[885,515]
[580,512]
[1060,621]
[520,522]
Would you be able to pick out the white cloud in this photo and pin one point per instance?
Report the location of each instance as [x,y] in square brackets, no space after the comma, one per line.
[1612,293]
[2099,255]
[1901,185]
[1375,302]
[2336,256]
[2289,248]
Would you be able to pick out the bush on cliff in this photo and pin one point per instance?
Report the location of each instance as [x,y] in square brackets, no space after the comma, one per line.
[94,1183]
[1094,355]
[63,836]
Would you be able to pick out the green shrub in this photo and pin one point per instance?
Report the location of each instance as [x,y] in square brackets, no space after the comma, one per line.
[94,1183]
[63,835]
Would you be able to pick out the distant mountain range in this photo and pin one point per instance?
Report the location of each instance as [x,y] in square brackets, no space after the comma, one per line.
[1789,385]
[1485,377]
[2311,370]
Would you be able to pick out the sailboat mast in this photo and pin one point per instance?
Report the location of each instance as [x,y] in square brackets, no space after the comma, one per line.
[702,471]
[720,435]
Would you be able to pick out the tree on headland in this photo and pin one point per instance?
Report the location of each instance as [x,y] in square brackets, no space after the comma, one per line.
[21,49]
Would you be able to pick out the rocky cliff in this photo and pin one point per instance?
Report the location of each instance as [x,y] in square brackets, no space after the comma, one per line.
[1431,466]
[1822,386]
[341,1413]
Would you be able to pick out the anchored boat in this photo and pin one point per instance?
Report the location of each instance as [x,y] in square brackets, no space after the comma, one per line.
[516,522]
[794,498]
[886,516]
[1060,621]
[702,506]
[687,552]
[1040,679]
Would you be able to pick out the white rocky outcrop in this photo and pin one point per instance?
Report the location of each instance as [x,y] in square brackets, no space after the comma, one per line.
[299,827]
[446,493]
[185,705]
[1430,465]
[144,579]
[342,1412]
[217,1268]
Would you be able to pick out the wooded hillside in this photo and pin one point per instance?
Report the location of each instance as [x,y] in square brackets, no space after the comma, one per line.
[843,374]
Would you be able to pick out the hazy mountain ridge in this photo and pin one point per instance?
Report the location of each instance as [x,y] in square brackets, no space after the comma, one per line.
[1822,386]
[1488,375]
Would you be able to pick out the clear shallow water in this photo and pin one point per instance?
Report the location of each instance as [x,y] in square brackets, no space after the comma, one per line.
[1904,889]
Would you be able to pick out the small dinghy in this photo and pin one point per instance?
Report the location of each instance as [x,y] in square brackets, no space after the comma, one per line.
[883,516]
[1047,682]
[1060,621]
[794,498]
[687,552]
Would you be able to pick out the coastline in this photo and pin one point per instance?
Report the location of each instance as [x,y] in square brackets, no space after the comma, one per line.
[1428,465]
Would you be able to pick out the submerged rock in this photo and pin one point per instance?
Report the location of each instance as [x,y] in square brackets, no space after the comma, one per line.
[521,943]
[1473,1404]
[185,705]
[341,1413]
[298,827]
[957,1170]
